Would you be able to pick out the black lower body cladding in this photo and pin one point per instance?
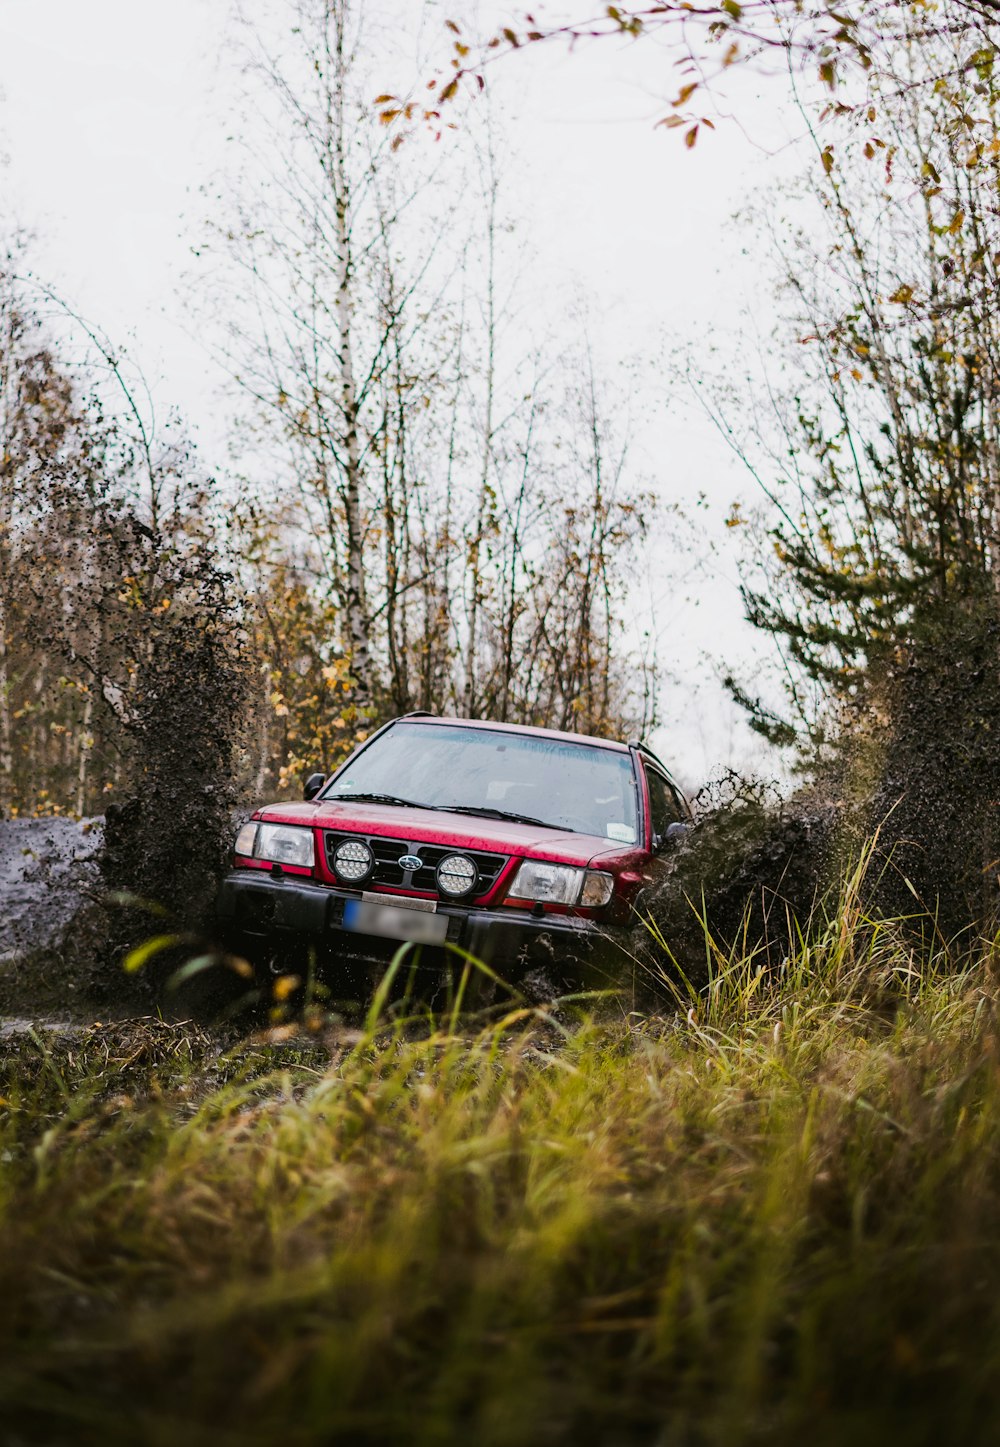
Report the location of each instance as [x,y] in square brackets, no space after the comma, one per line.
[277,911]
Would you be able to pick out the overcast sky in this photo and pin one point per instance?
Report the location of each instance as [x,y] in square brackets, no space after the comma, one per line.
[114,112]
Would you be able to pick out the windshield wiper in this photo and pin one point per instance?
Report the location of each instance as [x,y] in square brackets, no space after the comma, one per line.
[489,813]
[484,810]
[375,798]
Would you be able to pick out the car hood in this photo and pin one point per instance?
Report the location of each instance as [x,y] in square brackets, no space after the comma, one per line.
[458,831]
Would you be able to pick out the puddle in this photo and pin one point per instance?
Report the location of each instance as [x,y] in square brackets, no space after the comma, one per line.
[12,1026]
[47,867]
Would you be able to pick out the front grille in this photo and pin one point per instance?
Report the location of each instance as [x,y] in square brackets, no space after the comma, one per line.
[388,875]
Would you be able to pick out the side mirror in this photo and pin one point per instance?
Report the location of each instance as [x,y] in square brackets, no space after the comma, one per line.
[673,834]
[313,785]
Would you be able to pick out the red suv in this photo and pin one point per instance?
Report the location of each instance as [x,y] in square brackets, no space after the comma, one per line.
[517,844]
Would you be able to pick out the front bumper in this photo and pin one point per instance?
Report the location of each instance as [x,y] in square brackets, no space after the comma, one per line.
[510,941]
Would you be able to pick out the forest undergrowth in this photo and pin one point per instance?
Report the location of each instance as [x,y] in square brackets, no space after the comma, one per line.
[770,1210]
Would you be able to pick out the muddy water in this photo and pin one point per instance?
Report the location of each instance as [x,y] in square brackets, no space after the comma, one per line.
[48,870]
[47,867]
[14,1026]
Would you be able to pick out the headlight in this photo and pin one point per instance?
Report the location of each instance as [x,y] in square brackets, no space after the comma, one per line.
[352,860]
[597,889]
[286,844]
[456,875]
[547,883]
[245,840]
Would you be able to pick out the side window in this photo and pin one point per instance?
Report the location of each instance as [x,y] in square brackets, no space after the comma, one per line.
[663,807]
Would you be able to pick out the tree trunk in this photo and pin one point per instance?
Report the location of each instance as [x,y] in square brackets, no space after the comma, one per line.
[482,504]
[357,620]
[6,734]
[85,751]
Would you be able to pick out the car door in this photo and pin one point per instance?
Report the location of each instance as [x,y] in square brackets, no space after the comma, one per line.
[666,808]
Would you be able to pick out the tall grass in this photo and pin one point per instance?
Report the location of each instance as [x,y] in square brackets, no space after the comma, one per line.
[771,1214]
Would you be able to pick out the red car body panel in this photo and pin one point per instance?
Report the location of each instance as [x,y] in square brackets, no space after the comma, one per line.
[520,841]
[458,831]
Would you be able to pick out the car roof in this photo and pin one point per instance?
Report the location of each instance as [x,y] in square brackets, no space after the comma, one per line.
[482,723]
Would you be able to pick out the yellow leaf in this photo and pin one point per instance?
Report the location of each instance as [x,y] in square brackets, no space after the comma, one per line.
[285,985]
[142,954]
[902,295]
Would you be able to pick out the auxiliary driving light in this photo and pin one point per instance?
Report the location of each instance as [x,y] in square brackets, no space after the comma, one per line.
[352,860]
[456,875]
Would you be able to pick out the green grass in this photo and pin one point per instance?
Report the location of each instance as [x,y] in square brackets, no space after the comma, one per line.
[772,1215]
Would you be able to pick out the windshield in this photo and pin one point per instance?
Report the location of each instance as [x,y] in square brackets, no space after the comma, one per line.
[589,790]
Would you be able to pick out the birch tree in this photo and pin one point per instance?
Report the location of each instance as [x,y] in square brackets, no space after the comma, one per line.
[319,335]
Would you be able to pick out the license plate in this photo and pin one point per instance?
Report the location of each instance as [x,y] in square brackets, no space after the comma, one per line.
[363,917]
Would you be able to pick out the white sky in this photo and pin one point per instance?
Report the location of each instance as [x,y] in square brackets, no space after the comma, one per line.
[114,111]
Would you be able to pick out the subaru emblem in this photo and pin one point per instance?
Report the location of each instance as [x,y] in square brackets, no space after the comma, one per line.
[410,862]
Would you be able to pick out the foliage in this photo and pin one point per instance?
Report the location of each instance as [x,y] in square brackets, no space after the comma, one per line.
[54,451]
[771,1218]
[880,461]
[305,715]
[110,586]
[827,39]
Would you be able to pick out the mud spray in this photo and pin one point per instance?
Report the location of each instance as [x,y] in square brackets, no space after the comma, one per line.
[916,769]
[167,651]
